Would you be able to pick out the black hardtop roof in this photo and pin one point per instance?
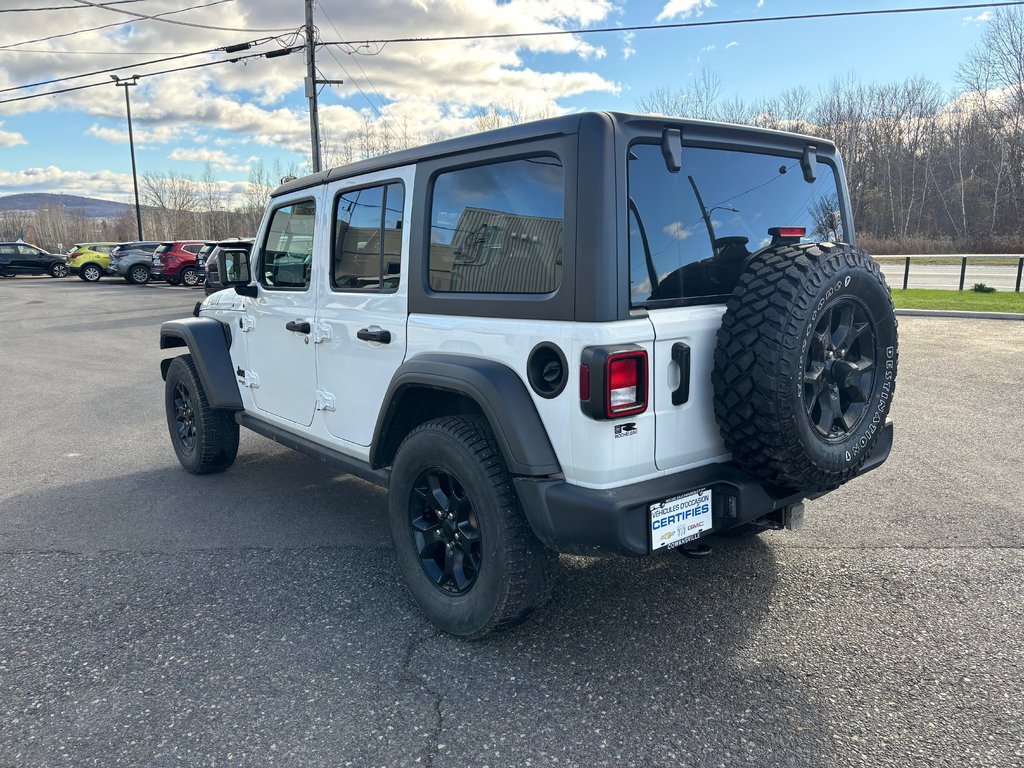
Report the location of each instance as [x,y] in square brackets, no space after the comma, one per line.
[553,126]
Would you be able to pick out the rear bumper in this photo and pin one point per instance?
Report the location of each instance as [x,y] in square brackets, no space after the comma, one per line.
[586,521]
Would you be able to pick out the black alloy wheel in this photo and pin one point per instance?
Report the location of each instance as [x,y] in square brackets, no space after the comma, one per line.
[839,369]
[444,531]
[59,270]
[184,417]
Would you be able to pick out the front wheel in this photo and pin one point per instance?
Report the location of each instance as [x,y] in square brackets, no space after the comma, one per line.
[205,439]
[138,275]
[464,547]
[59,270]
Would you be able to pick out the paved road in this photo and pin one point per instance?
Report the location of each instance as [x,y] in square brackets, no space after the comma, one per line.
[257,617]
[948,277]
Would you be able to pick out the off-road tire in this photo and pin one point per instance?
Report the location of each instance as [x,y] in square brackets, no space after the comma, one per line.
[772,320]
[59,270]
[516,572]
[91,273]
[213,432]
[138,274]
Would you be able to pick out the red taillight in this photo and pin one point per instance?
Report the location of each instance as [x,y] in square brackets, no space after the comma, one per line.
[626,384]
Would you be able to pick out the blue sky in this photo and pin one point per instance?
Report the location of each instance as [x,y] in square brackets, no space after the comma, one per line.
[231,116]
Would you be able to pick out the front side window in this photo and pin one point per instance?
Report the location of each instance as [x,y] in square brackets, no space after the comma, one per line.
[28,250]
[691,232]
[498,228]
[367,252]
[288,247]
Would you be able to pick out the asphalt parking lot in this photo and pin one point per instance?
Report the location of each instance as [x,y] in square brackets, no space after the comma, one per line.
[148,617]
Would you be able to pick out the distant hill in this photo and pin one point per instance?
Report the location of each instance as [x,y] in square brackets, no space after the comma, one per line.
[91,207]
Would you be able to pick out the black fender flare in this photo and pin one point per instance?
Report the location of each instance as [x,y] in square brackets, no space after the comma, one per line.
[209,342]
[495,388]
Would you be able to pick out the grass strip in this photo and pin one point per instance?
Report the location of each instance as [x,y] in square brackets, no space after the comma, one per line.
[966,301]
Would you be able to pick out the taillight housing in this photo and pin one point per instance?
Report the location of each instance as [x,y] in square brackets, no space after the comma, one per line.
[613,381]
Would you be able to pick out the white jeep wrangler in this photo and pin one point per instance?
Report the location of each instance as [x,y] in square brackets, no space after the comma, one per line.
[595,334]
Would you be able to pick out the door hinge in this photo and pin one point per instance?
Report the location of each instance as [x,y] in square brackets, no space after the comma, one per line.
[322,332]
[325,401]
[248,378]
[246,323]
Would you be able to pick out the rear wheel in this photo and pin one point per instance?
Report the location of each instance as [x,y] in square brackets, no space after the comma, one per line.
[190,277]
[91,273]
[464,547]
[138,274]
[205,439]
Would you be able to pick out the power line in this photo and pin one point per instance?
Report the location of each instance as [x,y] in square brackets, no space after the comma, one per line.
[677,25]
[63,7]
[368,82]
[137,65]
[108,26]
[265,54]
[179,23]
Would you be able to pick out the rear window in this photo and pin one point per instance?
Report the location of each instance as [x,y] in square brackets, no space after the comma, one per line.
[691,232]
[497,228]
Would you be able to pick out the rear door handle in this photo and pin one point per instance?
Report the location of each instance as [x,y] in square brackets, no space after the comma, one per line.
[681,355]
[383,337]
[298,326]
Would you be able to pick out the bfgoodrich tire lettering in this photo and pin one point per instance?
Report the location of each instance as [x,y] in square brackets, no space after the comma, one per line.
[805,365]
[205,439]
[513,572]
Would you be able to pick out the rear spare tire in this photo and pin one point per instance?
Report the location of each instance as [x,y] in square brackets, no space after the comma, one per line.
[805,365]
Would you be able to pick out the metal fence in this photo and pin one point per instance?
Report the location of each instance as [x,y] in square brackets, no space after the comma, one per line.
[940,271]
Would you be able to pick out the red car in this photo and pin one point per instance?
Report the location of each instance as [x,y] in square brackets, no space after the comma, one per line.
[175,262]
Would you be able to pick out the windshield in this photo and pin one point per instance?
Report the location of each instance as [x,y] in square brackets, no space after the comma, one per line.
[691,232]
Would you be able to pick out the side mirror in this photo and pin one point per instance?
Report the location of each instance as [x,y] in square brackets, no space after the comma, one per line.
[235,267]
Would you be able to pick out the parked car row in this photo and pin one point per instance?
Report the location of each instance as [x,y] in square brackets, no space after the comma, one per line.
[177,262]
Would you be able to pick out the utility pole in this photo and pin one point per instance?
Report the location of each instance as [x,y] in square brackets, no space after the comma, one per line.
[125,83]
[314,118]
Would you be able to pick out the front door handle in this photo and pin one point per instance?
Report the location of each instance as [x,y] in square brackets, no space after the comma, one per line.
[298,326]
[383,337]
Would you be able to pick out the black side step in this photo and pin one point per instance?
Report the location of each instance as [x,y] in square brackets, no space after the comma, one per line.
[360,469]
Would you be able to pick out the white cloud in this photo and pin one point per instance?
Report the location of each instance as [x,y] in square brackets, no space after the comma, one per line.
[103,184]
[10,138]
[981,18]
[760,3]
[733,44]
[627,45]
[216,157]
[680,9]
[677,231]
[428,89]
[707,48]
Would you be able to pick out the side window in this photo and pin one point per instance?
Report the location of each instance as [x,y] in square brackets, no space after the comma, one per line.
[28,250]
[368,238]
[497,228]
[7,250]
[288,247]
[193,248]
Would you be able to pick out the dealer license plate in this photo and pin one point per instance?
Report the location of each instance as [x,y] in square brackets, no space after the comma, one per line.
[679,520]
